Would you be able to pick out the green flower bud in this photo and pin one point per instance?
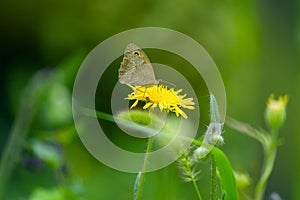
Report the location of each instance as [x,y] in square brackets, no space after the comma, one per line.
[243,180]
[217,139]
[200,153]
[275,112]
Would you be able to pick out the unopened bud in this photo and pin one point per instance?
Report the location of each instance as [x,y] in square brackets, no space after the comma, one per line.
[275,112]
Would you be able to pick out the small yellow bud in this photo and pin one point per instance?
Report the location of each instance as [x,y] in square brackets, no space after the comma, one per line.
[275,112]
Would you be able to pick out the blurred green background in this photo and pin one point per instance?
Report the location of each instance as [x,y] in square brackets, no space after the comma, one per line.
[255,44]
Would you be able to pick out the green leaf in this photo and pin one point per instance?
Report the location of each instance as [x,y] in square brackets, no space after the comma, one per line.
[56,109]
[136,185]
[44,194]
[226,174]
[56,193]
[259,135]
[47,153]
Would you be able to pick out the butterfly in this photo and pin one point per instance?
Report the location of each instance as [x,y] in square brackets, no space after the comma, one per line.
[136,68]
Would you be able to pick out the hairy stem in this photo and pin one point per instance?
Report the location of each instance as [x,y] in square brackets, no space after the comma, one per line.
[197,189]
[213,179]
[140,182]
[270,156]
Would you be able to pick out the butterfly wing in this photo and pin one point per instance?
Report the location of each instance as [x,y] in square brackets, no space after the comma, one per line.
[125,70]
[143,75]
[136,68]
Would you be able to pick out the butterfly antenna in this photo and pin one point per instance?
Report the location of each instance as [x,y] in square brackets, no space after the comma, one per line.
[167,83]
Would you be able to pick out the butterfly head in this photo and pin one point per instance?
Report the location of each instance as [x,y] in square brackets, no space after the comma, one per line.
[136,53]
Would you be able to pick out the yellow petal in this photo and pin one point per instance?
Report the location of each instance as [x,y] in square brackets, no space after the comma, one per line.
[134,104]
[147,105]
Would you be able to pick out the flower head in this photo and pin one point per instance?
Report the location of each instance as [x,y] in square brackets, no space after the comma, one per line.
[275,111]
[162,97]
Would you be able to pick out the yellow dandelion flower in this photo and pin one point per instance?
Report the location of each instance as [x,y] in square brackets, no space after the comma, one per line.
[162,97]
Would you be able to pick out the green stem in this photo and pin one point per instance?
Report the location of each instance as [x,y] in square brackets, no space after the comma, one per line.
[197,189]
[213,178]
[13,147]
[270,156]
[32,98]
[142,174]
